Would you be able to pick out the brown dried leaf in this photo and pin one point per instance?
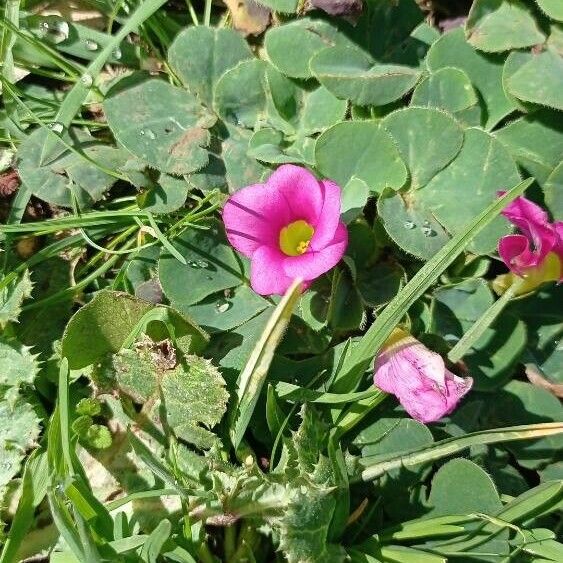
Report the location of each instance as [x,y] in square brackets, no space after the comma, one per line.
[249,17]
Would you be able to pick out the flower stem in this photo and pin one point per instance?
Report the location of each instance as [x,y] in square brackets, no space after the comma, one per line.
[479,327]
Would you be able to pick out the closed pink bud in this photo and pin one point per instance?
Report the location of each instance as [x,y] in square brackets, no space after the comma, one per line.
[418,378]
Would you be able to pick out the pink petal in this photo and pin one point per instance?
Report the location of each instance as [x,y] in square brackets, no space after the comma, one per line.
[302,192]
[329,217]
[384,377]
[267,276]
[253,217]
[456,388]
[316,262]
[515,252]
[521,212]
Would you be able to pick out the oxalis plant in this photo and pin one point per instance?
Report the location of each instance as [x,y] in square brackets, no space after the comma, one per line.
[280,281]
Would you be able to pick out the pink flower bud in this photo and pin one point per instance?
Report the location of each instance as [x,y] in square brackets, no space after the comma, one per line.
[418,378]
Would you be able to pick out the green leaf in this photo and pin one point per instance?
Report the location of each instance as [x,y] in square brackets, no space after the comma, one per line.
[240,94]
[19,430]
[188,389]
[168,195]
[163,125]
[552,8]
[252,378]
[320,110]
[523,402]
[413,227]
[226,310]
[283,6]
[352,74]
[240,169]
[355,195]
[497,25]
[379,283]
[392,436]
[462,487]
[482,167]
[305,526]
[211,267]
[346,310]
[535,142]
[428,139]
[484,71]
[448,88]
[291,46]
[540,80]
[360,149]
[19,365]
[200,55]
[553,190]
[67,172]
[12,296]
[104,324]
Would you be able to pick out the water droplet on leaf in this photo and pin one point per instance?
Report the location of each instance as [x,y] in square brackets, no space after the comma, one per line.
[150,134]
[116,53]
[202,263]
[192,263]
[87,80]
[409,225]
[56,127]
[91,45]
[428,232]
[222,306]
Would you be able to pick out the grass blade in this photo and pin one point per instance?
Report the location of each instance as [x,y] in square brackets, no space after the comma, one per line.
[253,376]
[452,446]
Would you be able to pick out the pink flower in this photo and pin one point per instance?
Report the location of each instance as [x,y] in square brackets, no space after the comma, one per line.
[538,239]
[289,227]
[418,378]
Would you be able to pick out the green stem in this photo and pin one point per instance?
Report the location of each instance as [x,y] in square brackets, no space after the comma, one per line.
[357,412]
[205,554]
[478,328]
[191,10]
[230,542]
[207,13]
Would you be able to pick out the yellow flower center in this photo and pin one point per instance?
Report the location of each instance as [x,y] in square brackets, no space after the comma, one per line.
[295,238]
[549,270]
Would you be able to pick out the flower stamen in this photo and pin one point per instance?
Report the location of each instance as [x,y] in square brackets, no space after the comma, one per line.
[295,238]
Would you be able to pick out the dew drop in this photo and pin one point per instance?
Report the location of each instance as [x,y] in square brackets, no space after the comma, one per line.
[91,45]
[426,224]
[409,225]
[208,278]
[43,29]
[202,264]
[87,80]
[428,232]
[61,29]
[150,134]
[116,53]
[56,127]
[222,306]
[191,263]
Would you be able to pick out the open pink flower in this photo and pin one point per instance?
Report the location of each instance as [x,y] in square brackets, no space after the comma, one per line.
[538,239]
[289,227]
[418,378]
